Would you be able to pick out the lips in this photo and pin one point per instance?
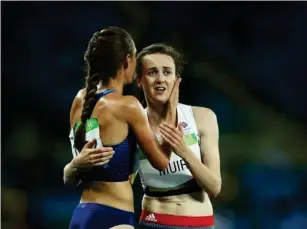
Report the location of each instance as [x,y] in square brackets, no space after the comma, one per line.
[160,89]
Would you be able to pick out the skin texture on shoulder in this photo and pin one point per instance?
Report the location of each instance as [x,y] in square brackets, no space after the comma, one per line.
[129,110]
[126,109]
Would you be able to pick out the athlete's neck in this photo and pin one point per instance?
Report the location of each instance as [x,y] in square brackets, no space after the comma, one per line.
[156,113]
[115,84]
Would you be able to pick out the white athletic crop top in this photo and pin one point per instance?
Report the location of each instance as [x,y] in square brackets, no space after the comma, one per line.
[176,178]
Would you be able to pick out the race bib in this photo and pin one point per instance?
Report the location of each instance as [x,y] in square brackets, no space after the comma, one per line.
[91,132]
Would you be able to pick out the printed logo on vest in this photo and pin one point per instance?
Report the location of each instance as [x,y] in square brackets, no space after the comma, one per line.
[186,128]
[151,217]
[184,124]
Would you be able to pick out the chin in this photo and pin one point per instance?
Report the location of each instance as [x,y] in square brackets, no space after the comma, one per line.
[160,99]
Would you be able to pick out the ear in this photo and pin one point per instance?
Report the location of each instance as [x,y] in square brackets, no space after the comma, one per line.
[139,84]
[127,60]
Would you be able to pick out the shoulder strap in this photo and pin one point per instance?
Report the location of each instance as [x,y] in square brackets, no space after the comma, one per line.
[104,93]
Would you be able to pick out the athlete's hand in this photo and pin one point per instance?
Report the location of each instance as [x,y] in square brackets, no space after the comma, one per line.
[173,102]
[174,137]
[89,156]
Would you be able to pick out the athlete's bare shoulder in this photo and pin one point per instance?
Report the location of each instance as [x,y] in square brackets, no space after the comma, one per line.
[121,102]
[78,101]
[130,101]
[203,111]
[203,116]
[78,98]
[119,106]
[131,107]
[81,93]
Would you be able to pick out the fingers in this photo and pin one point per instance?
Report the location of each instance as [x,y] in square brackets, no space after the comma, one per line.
[168,127]
[175,90]
[105,149]
[103,158]
[97,156]
[170,135]
[100,150]
[171,132]
[176,86]
[102,163]
[178,81]
[180,128]
[168,139]
[101,155]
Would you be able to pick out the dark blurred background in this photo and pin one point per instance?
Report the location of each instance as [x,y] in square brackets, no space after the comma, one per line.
[246,61]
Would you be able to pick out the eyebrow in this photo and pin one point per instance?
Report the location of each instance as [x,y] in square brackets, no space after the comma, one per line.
[164,67]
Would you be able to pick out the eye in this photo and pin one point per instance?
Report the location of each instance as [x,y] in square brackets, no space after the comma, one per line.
[167,72]
[152,72]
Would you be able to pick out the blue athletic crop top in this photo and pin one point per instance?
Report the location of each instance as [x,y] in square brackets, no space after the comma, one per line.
[121,164]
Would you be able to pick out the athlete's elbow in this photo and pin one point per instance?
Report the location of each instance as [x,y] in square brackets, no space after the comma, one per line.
[67,181]
[70,181]
[164,164]
[215,191]
[161,165]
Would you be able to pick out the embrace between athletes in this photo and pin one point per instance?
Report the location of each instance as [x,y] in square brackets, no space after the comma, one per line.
[113,138]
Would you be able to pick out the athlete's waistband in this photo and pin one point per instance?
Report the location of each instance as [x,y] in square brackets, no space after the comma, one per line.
[188,187]
[102,207]
[174,220]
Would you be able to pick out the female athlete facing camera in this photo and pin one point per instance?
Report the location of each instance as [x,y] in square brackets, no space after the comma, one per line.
[177,197]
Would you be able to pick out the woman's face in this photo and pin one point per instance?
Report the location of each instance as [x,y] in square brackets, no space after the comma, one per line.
[158,77]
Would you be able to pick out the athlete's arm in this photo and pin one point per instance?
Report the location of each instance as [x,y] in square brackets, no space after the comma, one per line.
[207,173]
[135,169]
[70,175]
[70,172]
[137,119]
[88,157]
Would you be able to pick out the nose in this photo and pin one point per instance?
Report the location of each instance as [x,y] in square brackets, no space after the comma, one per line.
[160,77]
